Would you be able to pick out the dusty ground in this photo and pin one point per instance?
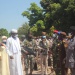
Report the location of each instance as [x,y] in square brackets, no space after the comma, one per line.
[38,72]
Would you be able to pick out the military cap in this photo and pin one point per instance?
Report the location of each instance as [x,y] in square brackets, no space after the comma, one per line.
[43,33]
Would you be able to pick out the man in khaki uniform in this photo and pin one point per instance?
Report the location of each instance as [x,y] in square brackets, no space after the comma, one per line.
[44,46]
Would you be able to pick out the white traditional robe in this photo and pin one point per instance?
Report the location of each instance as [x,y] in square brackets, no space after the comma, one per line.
[13,49]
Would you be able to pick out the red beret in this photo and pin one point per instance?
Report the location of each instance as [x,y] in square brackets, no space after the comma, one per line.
[55,31]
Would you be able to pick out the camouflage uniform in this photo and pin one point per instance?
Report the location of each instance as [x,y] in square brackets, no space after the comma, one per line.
[30,58]
[28,46]
[24,56]
[56,56]
[62,57]
[70,55]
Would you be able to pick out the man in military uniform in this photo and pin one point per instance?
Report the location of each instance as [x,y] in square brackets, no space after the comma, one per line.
[62,37]
[24,54]
[56,54]
[28,51]
[44,46]
[31,51]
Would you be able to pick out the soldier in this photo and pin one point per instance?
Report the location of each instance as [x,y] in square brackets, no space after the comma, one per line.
[70,52]
[50,60]
[28,47]
[24,54]
[56,53]
[62,37]
[31,54]
[44,44]
[36,48]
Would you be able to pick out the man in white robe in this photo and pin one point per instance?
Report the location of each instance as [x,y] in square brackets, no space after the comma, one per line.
[14,52]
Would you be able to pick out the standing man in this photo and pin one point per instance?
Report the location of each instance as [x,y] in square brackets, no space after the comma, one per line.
[44,45]
[14,52]
[62,52]
[25,59]
[4,57]
[56,53]
[70,52]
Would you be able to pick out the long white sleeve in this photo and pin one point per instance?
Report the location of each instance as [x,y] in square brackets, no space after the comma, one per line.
[8,44]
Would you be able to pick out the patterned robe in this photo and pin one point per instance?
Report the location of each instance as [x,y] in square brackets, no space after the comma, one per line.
[70,54]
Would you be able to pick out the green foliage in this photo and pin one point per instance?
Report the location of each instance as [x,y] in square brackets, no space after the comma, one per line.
[26,13]
[51,30]
[55,6]
[35,9]
[23,30]
[3,32]
[60,13]
[34,14]
[34,28]
[38,27]
[66,15]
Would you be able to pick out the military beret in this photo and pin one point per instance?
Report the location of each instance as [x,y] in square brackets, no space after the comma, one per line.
[55,31]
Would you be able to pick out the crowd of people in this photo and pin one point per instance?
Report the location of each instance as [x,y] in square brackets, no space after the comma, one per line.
[22,54]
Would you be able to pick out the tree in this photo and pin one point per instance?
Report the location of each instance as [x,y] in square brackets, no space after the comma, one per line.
[60,13]
[57,13]
[3,32]
[38,28]
[67,14]
[34,14]
[23,30]
[51,7]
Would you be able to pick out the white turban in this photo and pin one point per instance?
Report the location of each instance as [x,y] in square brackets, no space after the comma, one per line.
[14,31]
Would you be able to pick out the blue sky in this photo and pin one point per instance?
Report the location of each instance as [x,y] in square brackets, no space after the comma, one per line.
[10,13]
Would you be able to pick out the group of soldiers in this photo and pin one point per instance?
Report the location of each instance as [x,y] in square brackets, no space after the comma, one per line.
[59,49]
[34,48]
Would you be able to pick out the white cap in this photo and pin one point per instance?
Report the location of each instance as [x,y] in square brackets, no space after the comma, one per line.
[14,31]
[4,37]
